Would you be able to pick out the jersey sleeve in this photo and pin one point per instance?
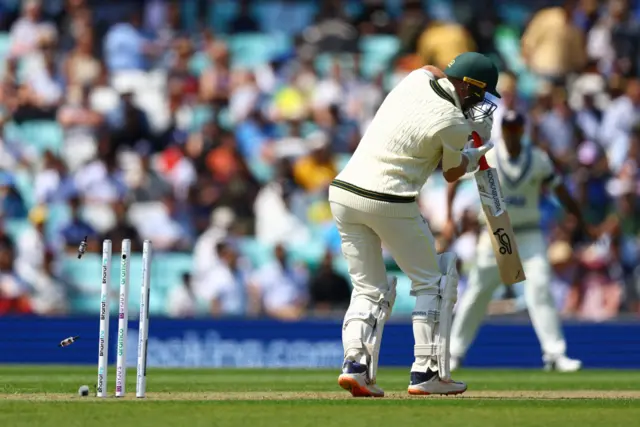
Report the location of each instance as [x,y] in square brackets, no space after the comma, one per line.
[548,172]
[453,139]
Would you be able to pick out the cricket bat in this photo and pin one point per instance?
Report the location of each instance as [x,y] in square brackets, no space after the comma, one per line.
[500,230]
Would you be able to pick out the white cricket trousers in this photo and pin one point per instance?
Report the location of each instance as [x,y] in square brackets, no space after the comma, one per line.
[409,241]
[484,279]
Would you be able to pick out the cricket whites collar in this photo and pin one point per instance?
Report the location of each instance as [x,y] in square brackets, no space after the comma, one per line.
[505,164]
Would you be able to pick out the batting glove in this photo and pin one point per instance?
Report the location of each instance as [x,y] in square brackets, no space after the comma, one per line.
[474,155]
[483,127]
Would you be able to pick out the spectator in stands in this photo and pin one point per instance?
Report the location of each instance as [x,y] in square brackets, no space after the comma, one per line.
[315,172]
[129,124]
[244,97]
[558,130]
[122,228]
[14,297]
[552,46]
[281,287]
[374,18]
[13,154]
[588,98]
[204,251]
[600,43]
[102,180]
[150,185]
[628,208]
[77,228]
[238,186]
[125,47]
[275,219]
[329,291]
[42,92]
[254,135]
[591,181]
[215,81]
[596,293]
[73,21]
[182,301]
[11,203]
[244,22]
[343,131]
[179,70]
[81,124]
[619,118]
[227,289]
[52,183]
[32,245]
[49,296]
[81,67]
[26,31]
[164,20]
[163,224]
[440,42]
[624,37]
[564,265]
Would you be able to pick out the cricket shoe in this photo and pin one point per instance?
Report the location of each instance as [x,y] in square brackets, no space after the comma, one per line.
[355,379]
[424,384]
[561,364]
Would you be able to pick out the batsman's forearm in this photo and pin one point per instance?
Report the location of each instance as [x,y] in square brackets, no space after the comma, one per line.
[457,172]
[452,189]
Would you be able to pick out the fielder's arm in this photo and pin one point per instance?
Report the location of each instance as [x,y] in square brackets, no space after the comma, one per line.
[569,204]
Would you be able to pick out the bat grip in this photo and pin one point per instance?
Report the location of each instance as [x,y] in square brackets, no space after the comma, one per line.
[477,142]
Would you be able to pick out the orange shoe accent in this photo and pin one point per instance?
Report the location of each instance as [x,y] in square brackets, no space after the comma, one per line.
[352,386]
[417,392]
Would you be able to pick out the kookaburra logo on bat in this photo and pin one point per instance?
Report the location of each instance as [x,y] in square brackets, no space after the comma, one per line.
[504,240]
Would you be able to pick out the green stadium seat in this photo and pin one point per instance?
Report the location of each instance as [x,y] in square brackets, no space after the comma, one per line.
[309,253]
[221,14]
[43,135]
[199,63]
[5,45]
[24,185]
[342,160]
[12,131]
[324,61]
[377,52]
[15,227]
[59,214]
[262,171]
[256,252]
[252,50]
[507,42]
[201,115]
[341,267]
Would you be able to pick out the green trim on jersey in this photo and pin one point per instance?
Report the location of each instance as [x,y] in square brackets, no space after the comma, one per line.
[441,92]
[373,195]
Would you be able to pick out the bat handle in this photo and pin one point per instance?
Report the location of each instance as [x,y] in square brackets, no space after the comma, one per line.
[477,142]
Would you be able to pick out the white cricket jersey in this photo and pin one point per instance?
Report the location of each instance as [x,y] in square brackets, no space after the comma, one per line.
[522,180]
[419,124]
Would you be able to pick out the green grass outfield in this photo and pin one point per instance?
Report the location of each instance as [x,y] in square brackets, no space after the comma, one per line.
[36,396]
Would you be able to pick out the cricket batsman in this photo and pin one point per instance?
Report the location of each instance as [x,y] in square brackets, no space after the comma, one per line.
[426,120]
[524,172]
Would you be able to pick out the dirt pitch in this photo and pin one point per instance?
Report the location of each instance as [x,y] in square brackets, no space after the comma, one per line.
[268,396]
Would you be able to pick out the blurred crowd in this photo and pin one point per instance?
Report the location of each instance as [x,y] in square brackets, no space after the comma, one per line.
[213,126]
